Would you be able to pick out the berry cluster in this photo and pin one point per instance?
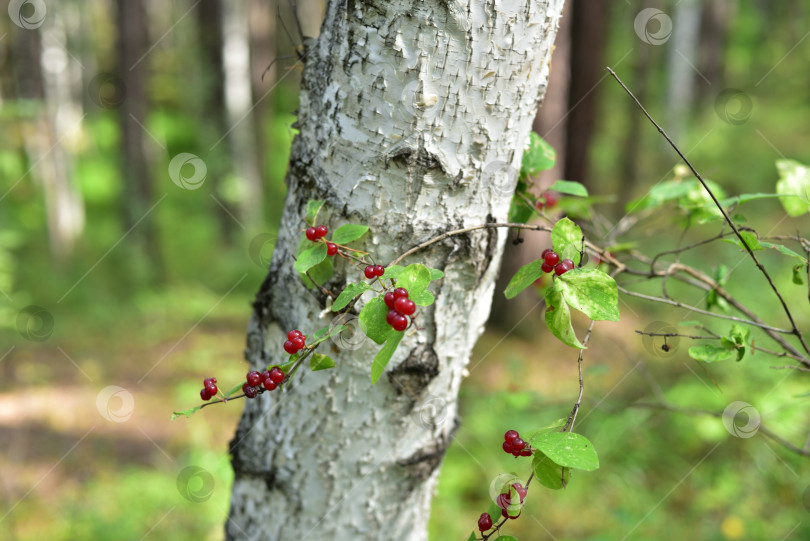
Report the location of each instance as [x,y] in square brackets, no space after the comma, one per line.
[513,445]
[296,341]
[399,306]
[269,379]
[485,522]
[209,389]
[551,262]
[504,501]
[315,233]
[374,271]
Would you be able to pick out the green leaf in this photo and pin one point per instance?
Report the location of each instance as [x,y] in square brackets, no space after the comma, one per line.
[592,292]
[494,511]
[566,237]
[659,194]
[784,249]
[505,537]
[349,232]
[690,323]
[435,274]
[794,186]
[393,272]
[322,334]
[313,207]
[750,239]
[189,412]
[739,337]
[234,389]
[320,273]
[384,355]
[424,298]
[310,257]
[570,187]
[372,320]
[797,277]
[558,319]
[549,473]
[472,537]
[519,211]
[349,293]
[523,278]
[567,449]
[321,362]
[415,278]
[538,156]
[744,198]
[710,353]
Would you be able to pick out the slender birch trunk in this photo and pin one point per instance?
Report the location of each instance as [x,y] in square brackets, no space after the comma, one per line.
[412,120]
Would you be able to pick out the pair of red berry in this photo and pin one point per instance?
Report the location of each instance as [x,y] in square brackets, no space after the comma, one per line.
[296,341]
[504,501]
[515,446]
[374,271]
[209,389]
[399,306]
[550,201]
[269,379]
[551,262]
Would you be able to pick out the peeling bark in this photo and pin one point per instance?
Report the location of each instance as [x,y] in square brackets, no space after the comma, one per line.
[412,120]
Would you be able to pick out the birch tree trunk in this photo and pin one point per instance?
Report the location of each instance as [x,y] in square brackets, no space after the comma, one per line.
[412,120]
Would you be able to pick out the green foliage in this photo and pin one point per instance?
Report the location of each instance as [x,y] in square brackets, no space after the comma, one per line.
[385,354]
[794,186]
[313,207]
[372,320]
[348,233]
[566,238]
[548,473]
[523,278]
[567,449]
[310,257]
[558,319]
[569,187]
[592,292]
[318,361]
[349,293]
[734,345]
[538,156]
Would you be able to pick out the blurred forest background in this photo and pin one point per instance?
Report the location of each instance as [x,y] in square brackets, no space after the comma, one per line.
[112,274]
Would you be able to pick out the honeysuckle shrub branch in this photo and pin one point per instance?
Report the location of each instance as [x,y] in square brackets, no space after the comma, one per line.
[586,257]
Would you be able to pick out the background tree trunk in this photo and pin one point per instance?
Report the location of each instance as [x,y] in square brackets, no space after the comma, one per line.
[412,121]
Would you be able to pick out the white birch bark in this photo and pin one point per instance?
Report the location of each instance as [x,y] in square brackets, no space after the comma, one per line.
[412,120]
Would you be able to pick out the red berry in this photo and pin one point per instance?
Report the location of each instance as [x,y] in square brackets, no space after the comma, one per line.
[204,394]
[389,299]
[389,317]
[545,267]
[250,391]
[293,334]
[521,490]
[551,258]
[404,306]
[369,272]
[510,435]
[276,375]
[312,234]
[518,444]
[269,384]
[399,322]
[379,270]
[485,522]
[563,266]
[331,248]
[526,452]
[507,446]
[544,252]
[321,231]
[253,378]
[206,381]
[289,347]
[503,501]
[299,343]
[211,389]
[400,292]
[551,199]
[505,514]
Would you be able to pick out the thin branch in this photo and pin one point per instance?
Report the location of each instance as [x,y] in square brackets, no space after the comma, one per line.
[794,328]
[569,425]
